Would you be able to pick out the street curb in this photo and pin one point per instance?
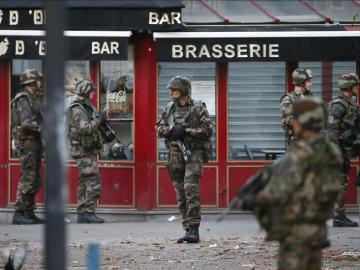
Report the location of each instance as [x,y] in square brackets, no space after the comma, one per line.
[112,215]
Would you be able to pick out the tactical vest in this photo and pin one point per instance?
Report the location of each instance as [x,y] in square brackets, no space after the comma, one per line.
[35,102]
[80,143]
[189,116]
[349,126]
[304,206]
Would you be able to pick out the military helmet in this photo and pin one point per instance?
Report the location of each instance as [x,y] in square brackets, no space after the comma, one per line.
[346,81]
[117,151]
[30,76]
[181,83]
[300,75]
[310,113]
[84,86]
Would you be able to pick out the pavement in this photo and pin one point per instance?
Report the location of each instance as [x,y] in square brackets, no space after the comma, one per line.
[235,243]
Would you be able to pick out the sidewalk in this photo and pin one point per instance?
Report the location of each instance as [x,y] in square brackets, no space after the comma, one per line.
[231,244]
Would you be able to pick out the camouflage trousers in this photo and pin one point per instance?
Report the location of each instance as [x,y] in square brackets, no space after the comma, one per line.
[29,152]
[339,206]
[186,181]
[89,187]
[299,256]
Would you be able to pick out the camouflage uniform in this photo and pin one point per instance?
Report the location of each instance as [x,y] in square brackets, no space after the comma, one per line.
[342,129]
[27,118]
[287,101]
[85,144]
[186,174]
[297,200]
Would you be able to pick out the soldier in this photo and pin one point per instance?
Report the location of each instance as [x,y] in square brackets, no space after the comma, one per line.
[302,80]
[85,143]
[299,190]
[27,122]
[186,126]
[342,129]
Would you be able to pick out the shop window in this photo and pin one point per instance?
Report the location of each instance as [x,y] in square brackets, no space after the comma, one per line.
[254,127]
[203,80]
[116,103]
[338,69]
[19,66]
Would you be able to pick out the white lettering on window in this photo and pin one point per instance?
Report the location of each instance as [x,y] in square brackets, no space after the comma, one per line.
[229,51]
[165,19]
[38,16]
[153,18]
[190,49]
[177,51]
[242,51]
[95,47]
[114,47]
[217,53]
[254,49]
[42,47]
[175,16]
[204,52]
[13,17]
[274,50]
[19,47]
[264,50]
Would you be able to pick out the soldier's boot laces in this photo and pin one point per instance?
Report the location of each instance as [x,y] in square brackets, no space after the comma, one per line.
[182,239]
[344,222]
[37,220]
[20,218]
[193,236]
[89,218]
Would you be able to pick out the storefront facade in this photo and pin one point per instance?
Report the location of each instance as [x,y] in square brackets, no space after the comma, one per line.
[240,71]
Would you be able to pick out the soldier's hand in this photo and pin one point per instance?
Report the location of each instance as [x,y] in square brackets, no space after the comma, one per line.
[177,132]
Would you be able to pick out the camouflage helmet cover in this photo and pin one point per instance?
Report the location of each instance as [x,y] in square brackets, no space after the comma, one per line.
[346,81]
[84,86]
[181,83]
[310,113]
[30,76]
[300,75]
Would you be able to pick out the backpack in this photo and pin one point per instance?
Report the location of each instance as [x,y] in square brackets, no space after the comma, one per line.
[15,119]
[206,143]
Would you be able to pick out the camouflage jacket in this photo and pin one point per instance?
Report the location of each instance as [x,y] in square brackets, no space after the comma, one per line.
[300,190]
[286,103]
[194,116]
[83,130]
[27,115]
[343,123]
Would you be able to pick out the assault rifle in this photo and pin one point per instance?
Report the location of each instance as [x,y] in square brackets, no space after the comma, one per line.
[105,128]
[186,152]
[246,196]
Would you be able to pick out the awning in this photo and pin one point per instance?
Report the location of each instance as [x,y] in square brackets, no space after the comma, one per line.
[141,15]
[270,11]
[290,43]
[89,45]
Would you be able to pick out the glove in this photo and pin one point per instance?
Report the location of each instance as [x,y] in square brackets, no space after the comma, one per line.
[177,132]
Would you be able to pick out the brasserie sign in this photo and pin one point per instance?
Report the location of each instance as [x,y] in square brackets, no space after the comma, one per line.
[251,46]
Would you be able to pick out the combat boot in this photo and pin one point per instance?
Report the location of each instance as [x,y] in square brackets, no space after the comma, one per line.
[351,222]
[89,218]
[182,239]
[36,219]
[20,218]
[344,222]
[193,235]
